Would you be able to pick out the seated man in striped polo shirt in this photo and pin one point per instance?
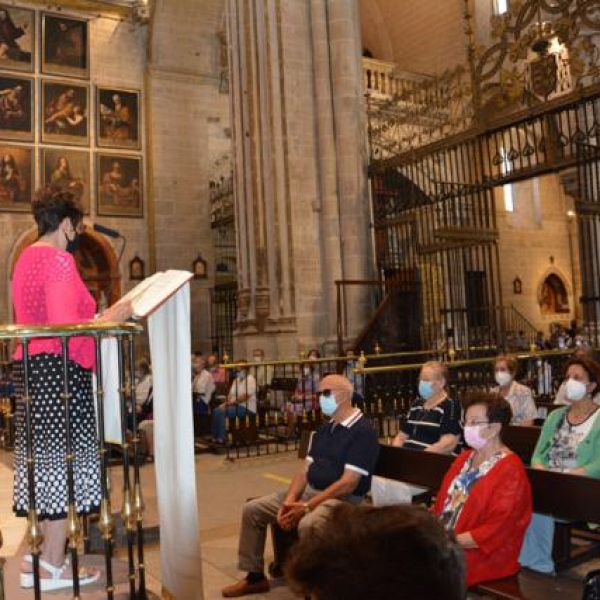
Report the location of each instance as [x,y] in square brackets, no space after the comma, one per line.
[432,424]
[338,468]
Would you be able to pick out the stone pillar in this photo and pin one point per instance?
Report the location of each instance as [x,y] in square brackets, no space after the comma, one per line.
[299,169]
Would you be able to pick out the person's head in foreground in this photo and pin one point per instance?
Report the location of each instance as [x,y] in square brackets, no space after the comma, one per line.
[365,552]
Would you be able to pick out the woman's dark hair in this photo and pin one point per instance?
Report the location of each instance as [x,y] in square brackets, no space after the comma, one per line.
[378,553]
[497,409]
[591,367]
[51,205]
[314,351]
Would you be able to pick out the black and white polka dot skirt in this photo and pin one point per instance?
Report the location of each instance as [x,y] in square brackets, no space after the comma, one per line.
[50,442]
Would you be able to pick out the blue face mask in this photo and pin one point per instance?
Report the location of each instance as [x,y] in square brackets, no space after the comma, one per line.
[328,404]
[425,389]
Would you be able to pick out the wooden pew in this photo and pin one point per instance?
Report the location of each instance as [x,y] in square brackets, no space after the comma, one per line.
[521,440]
[560,495]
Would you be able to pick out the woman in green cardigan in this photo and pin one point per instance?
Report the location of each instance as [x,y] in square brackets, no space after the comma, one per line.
[569,443]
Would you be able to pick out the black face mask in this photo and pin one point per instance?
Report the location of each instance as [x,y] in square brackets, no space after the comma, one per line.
[73,244]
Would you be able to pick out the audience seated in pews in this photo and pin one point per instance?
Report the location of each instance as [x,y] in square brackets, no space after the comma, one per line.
[203,386]
[241,402]
[485,497]
[218,373]
[569,443]
[378,553]
[305,395]
[519,396]
[338,468]
[433,425]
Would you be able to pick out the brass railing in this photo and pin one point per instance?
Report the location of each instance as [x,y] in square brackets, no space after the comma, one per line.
[385,385]
[132,505]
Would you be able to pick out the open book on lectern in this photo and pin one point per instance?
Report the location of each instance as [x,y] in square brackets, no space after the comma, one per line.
[154,291]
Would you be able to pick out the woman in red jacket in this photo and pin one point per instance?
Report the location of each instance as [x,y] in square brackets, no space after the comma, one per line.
[485,497]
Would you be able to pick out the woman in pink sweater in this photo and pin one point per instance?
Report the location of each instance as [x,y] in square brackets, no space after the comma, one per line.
[48,290]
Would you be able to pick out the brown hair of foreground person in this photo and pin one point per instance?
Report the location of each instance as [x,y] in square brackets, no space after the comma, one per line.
[363,552]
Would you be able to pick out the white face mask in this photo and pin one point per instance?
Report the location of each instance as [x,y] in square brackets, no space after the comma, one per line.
[576,390]
[503,377]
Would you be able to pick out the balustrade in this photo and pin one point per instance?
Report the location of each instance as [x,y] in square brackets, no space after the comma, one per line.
[132,507]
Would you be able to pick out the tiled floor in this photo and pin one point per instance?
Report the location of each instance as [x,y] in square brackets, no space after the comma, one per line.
[222,487]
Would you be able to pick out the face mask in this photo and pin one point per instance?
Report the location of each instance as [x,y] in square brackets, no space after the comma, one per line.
[328,404]
[503,377]
[425,389]
[576,390]
[474,438]
[306,370]
[257,358]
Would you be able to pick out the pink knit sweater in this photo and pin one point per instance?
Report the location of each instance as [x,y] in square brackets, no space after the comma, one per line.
[47,290]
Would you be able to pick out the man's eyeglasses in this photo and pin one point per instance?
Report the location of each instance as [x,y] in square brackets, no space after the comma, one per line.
[324,393]
[473,423]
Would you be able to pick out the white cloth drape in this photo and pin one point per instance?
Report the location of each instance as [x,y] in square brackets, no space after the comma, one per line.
[110,386]
[170,347]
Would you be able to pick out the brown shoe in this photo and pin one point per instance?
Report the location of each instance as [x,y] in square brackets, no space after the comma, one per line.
[243,588]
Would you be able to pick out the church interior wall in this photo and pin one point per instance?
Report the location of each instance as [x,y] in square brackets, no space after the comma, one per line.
[425,36]
[186,143]
[535,240]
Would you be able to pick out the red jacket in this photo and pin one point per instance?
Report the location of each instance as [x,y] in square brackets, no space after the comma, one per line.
[497,513]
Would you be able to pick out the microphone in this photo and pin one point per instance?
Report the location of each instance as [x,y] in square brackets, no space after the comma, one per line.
[113,233]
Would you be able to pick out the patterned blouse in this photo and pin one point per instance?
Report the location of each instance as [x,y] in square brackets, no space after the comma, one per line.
[521,401]
[459,489]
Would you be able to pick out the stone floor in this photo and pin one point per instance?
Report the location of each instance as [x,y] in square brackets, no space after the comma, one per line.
[223,487]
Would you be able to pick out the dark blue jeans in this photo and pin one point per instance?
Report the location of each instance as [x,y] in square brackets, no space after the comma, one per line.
[218,424]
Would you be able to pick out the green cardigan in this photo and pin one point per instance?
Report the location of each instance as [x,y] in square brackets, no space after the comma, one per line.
[588,452]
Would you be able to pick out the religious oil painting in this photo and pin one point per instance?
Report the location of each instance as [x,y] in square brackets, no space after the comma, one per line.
[68,170]
[120,190]
[118,118]
[16,108]
[65,46]
[17,35]
[64,113]
[16,178]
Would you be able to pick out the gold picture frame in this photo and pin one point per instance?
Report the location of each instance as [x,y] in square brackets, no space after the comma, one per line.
[65,46]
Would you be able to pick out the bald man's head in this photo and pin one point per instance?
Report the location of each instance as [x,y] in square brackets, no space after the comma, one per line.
[342,389]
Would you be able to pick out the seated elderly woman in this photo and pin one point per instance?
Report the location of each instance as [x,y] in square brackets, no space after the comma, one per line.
[432,424]
[519,396]
[378,553]
[570,443]
[485,497]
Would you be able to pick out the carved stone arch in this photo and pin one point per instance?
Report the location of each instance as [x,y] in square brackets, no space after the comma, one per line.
[374,31]
[96,260]
[554,293]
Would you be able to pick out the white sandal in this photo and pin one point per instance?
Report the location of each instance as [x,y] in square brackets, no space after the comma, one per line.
[55,581]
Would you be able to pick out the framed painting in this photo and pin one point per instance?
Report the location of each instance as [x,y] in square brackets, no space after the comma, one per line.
[118,118]
[64,113]
[119,181]
[68,170]
[16,108]
[65,46]
[16,178]
[17,38]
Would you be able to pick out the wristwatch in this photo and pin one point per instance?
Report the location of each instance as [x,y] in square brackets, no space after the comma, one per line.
[307,508]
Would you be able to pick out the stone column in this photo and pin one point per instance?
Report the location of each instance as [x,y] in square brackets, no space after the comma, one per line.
[300,161]
[351,152]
